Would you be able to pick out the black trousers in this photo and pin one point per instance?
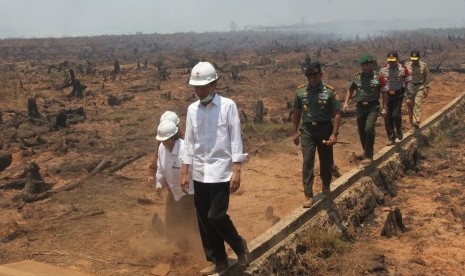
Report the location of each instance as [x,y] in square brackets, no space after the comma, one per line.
[394,117]
[211,203]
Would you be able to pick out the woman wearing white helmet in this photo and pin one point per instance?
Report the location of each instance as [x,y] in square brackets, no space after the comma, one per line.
[173,117]
[179,210]
[213,159]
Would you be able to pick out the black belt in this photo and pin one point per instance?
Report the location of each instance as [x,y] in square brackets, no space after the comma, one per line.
[396,92]
[368,102]
[317,123]
[415,84]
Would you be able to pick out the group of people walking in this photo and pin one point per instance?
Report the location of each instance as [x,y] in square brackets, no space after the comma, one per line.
[202,165]
[317,111]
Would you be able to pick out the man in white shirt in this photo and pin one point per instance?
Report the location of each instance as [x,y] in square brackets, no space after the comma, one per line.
[214,152]
[180,210]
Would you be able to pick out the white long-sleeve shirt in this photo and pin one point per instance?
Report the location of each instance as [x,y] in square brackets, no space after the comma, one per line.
[213,140]
[169,169]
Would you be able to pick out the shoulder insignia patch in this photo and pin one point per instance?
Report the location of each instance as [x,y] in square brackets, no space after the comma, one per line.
[329,86]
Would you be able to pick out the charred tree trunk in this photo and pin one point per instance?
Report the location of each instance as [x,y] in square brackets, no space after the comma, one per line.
[116,67]
[60,121]
[34,182]
[259,112]
[394,224]
[32,109]
[78,88]
[5,161]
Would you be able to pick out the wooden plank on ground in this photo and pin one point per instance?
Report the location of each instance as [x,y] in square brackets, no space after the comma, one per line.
[33,268]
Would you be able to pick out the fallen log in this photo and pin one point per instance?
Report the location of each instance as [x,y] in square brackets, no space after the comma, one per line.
[114,100]
[126,162]
[29,198]
[17,184]
[100,166]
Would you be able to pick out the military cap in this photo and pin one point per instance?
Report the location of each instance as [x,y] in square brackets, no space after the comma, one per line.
[392,56]
[312,69]
[365,59]
[415,55]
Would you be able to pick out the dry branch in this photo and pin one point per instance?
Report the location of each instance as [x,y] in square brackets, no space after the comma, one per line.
[126,162]
[89,214]
[100,166]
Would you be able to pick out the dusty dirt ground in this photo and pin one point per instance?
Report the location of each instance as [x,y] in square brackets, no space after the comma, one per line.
[104,226]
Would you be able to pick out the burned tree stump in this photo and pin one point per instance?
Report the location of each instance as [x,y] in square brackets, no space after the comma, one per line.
[60,121]
[394,224]
[235,70]
[166,95]
[78,87]
[116,67]
[34,182]
[5,161]
[67,117]
[259,112]
[32,110]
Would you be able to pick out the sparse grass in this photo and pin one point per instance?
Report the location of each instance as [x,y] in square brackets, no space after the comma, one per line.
[320,249]
[267,131]
[10,96]
[325,242]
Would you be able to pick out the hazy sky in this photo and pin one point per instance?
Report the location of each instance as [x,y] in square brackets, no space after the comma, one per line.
[44,18]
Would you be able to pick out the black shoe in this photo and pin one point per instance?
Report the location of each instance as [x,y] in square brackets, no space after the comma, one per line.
[216,267]
[366,161]
[400,135]
[243,259]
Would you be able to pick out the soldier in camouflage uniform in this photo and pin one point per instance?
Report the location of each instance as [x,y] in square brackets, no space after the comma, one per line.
[418,90]
[319,110]
[397,77]
[368,86]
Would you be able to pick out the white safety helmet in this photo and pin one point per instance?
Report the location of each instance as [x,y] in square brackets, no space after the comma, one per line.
[202,74]
[166,130]
[170,116]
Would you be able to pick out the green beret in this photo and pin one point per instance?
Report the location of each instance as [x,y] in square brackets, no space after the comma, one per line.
[365,58]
